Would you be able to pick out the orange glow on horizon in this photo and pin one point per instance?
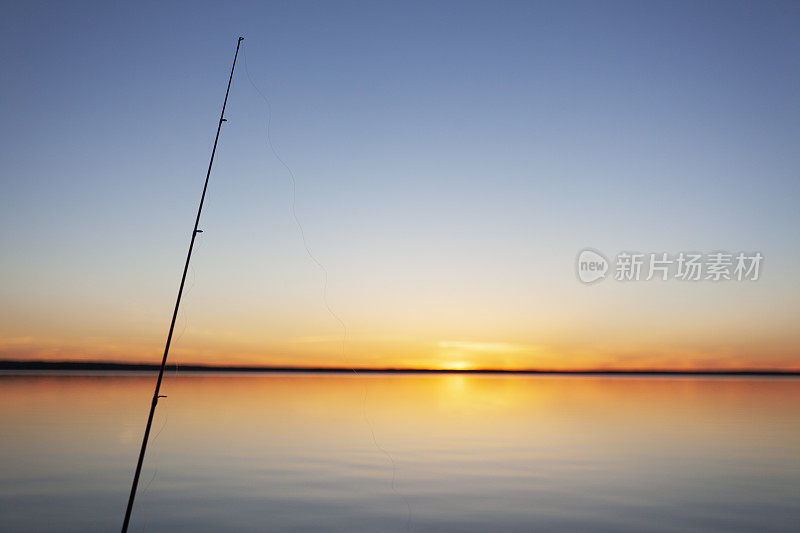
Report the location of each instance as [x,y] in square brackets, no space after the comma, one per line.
[639,350]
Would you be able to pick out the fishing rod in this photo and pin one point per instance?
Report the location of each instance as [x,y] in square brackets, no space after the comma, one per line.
[195,231]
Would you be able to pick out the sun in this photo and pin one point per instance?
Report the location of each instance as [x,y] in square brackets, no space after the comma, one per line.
[457,365]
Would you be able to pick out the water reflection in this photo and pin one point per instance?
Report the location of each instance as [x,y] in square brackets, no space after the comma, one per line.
[470,453]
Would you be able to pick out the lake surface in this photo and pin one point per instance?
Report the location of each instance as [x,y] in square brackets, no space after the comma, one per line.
[451,453]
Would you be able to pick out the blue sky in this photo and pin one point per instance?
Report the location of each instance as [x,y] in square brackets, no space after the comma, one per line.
[451,160]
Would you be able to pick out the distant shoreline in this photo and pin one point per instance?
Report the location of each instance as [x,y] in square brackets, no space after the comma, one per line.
[102,366]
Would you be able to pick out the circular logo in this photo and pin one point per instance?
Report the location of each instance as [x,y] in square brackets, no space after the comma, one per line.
[591,266]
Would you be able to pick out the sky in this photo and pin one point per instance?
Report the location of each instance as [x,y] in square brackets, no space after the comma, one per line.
[451,160]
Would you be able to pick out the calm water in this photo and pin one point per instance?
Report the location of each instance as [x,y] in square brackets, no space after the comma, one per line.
[449,453]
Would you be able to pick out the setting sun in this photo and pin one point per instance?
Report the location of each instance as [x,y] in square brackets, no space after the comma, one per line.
[457,365]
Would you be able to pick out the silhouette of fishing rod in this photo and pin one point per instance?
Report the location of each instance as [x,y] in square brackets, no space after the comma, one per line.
[195,231]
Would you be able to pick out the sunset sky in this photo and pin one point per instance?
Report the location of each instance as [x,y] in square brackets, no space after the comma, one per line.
[451,161]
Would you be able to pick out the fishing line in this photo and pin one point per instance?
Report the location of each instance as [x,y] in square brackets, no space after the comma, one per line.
[165,388]
[184,318]
[324,273]
[155,456]
[185,313]
[293,182]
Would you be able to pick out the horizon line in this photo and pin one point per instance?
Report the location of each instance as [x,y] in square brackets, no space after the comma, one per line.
[13,364]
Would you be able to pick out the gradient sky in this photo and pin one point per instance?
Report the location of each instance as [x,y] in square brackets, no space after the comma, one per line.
[451,160]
